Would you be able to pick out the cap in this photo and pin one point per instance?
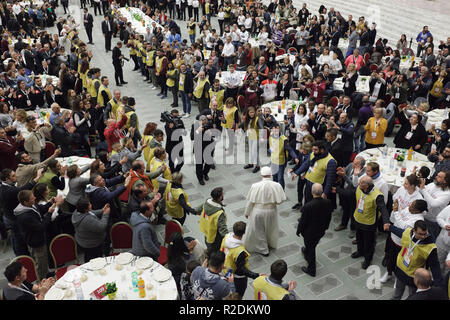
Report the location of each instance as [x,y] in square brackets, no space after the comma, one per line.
[265,171]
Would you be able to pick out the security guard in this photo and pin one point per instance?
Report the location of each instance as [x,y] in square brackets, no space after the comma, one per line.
[177,201]
[236,257]
[369,201]
[418,251]
[213,221]
[272,287]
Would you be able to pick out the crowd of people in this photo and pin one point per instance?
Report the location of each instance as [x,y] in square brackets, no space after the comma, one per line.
[56,103]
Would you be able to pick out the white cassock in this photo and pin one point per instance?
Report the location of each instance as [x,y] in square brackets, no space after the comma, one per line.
[262,228]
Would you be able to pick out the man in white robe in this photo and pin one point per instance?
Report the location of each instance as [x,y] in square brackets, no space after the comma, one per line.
[261,210]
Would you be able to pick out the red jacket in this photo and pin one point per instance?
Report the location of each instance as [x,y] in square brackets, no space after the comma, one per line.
[320,88]
[113,133]
[8,149]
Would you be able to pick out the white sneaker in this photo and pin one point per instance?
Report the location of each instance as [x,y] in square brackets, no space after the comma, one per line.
[182,114]
[153,87]
[385,278]
[187,115]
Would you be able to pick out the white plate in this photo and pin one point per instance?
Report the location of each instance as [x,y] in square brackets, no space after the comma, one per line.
[162,274]
[144,262]
[124,258]
[97,263]
[389,178]
[54,294]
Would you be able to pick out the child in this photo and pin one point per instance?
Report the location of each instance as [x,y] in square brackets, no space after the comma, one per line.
[303,153]
[185,281]
[304,130]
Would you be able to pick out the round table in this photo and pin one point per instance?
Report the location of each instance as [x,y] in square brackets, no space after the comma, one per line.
[274,108]
[362,84]
[166,290]
[137,25]
[405,63]
[80,162]
[435,117]
[47,111]
[390,168]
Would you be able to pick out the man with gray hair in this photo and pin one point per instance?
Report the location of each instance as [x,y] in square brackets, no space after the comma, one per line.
[315,220]
[425,291]
[369,201]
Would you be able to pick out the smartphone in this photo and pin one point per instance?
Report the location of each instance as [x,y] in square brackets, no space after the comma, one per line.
[229,272]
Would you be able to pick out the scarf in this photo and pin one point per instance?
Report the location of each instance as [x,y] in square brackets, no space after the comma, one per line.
[317,158]
[135,176]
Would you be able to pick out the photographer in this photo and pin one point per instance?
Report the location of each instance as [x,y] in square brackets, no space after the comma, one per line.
[202,136]
[175,129]
[215,119]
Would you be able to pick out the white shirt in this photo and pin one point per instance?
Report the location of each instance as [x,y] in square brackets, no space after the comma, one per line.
[262,38]
[443,219]
[308,68]
[241,20]
[270,90]
[404,198]
[228,49]
[16,8]
[403,219]
[232,79]
[195,3]
[248,23]
[244,36]
[189,2]
[436,198]
[235,35]
[221,15]
[335,66]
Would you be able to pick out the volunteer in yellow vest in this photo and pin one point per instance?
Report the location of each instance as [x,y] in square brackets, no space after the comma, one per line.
[231,115]
[114,106]
[272,287]
[252,126]
[208,10]
[319,167]
[147,136]
[369,203]
[177,201]
[54,178]
[216,93]
[437,94]
[172,83]
[159,157]
[418,251]
[236,257]
[84,69]
[131,44]
[213,221]
[93,85]
[160,72]
[279,149]
[201,91]
[132,120]
[157,140]
[104,94]
[149,61]
[191,25]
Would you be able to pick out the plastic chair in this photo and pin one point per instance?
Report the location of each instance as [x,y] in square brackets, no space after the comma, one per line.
[366,57]
[171,227]
[373,67]
[29,264]
[121,236]
[63,249]
[280,52]
[49,148]
[334,101]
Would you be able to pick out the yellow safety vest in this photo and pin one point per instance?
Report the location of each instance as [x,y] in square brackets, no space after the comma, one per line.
[143,54]
[198,91]
[129,114]
[207,8]
[181,81]
[159,61]
[150,58]
[138,50]
[171,196]
[368,216]
[228,114]
[217,96]
[191,30]
[253,132]
[132,49]
[170,82]
[231,255]
[417,257]
[208,224]
[83,77]
[115,107]
[146,150]
[278,155]
[268,291]
[100,96]
[317,173]
[91,87]
[177,64]
[155,163]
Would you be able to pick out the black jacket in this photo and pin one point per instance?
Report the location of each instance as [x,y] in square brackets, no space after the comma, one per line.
[434,293]
[63,139]
[419,136]
[188,83]
[336,150]
[32,225]
[105,27]
[315,219]
[8,197]
[90,21]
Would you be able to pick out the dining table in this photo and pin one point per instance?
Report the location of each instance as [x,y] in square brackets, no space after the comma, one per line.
[89,280]
[435,117]
[80,162]
[139,20]
[362,84]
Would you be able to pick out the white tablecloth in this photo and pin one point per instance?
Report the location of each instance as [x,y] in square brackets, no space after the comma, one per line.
[282,56]
[361,84]
[137,25]
[390,168]
[225,73]
[47,111]
[274,108]
[166,290]
[80,162]
[405,64]
[435,117]
[36,3]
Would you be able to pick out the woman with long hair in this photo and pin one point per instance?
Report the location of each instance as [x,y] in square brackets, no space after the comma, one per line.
[177,257]
[252,125]
[147,136]
[81,120]
[231,115]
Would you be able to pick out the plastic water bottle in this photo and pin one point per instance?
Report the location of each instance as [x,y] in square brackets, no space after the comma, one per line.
[78,291]
[38,112]
[134,281]
[446,113]
[391,164]
[385,151]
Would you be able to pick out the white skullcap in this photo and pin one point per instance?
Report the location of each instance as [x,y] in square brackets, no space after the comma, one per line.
[265,171]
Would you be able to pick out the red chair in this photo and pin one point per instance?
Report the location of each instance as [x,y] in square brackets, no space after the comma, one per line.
[121,236]
[30,265]
[373,67]
[280,52]
[49,148]
[124,196]
[171,227]
[334,101]
[366,57]
[292,50]
[63,249]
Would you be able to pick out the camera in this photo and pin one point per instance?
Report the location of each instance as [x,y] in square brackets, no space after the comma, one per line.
[168,118]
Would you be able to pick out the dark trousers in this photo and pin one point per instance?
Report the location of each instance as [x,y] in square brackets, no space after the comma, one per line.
[392,251]
[174,90]
[365,241]
[190,12]
[310,253]
[108,37]
[92,253]
[172,158]
[162,83]
[300,189]
[135,60]
[196,14]
[118,73]
[202,170]
[181,220]
[105,5]
[346,155]
[308,192]
[240,285]
[89,33]
[18,243]
[97,7]
[348,204]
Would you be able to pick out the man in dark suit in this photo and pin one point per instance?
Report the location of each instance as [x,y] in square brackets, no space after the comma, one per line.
[107,29]
[315,220]
[88,24]
[202,136]
[117,59]
[334,146]
[423,281]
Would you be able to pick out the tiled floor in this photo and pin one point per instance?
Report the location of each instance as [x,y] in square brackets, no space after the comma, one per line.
[338,275]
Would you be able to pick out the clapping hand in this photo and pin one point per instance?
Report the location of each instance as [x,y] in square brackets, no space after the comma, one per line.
[106,209]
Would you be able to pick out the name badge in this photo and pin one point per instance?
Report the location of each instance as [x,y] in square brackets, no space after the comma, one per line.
[361,205]
[316,94]
[374,135]
[346,84]
[28,102]
[408,135]
[397,95]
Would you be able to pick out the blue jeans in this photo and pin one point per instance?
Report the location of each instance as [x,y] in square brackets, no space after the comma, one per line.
[359,141]
[186,102]
[349,51]
[278,173]
[192,38]
[227,61]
